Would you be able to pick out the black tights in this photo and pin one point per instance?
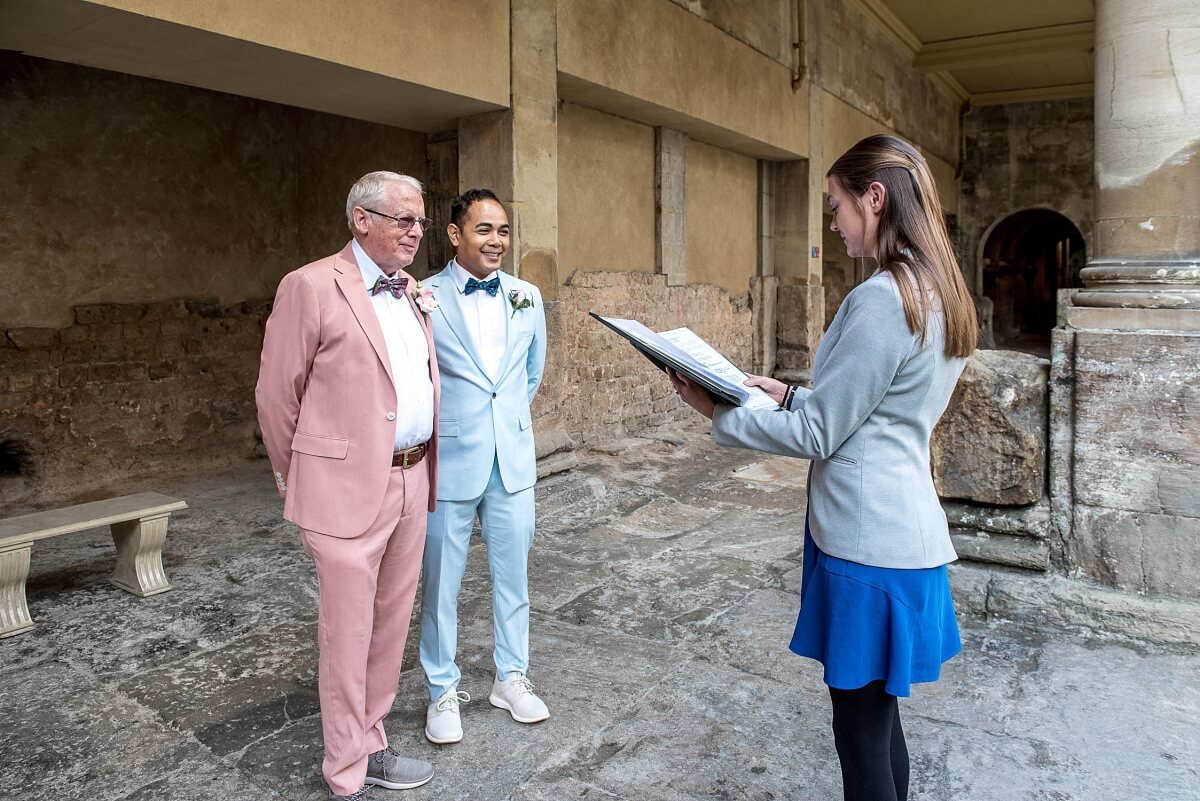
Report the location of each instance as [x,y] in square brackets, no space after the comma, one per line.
[870,744]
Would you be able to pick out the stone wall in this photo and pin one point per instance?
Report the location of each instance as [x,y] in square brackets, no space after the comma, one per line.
[1128,479]
[606,192]
[1021,156]
[127,190]
[854,61]
[721,213]
[765,25]
[597,387]
[146,226]
[990,445]
[126,389]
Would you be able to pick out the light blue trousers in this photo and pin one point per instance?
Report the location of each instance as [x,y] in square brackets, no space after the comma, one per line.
[507,521]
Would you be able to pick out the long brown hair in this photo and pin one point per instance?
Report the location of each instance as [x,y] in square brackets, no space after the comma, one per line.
[912,242]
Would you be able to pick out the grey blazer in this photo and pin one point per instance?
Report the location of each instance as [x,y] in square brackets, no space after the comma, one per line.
[877,394]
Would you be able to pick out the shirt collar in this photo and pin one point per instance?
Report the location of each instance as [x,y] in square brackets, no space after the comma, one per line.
[461,275]
[366,265]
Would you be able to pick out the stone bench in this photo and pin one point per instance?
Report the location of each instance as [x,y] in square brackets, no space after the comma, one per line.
[139,529]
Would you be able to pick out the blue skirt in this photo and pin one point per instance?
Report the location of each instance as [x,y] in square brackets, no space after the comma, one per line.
[868,623]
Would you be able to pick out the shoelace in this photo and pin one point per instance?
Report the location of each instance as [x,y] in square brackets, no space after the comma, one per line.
[522,684]
[452,699]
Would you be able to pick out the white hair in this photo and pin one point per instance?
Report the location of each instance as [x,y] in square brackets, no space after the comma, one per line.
[369,190]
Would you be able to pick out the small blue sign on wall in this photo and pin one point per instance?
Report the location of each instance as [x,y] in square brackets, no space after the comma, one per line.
[816,252]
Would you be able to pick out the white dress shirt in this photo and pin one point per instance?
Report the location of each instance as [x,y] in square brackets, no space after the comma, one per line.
[408,353]
[485,316]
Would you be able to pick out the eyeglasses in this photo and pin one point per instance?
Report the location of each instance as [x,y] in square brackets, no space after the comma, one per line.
[403,223]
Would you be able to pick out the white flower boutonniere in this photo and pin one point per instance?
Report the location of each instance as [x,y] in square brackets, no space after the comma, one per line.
[423,297]
[519,299]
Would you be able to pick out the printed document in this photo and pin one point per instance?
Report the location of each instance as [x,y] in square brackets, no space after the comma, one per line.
[684,351]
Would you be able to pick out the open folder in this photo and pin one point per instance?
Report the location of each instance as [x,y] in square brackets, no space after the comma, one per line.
[685,352]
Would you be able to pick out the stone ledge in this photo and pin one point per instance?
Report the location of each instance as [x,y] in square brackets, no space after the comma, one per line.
[1001,549]
[1022,521]
[557,463]
[1046,600]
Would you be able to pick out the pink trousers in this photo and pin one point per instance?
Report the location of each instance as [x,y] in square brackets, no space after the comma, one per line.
[366,584]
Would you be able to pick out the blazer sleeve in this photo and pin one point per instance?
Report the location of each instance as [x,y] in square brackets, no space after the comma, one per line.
[535,363]
[290,342]
[875,342]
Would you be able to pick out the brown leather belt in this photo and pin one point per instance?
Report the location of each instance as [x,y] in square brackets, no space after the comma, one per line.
[409,456]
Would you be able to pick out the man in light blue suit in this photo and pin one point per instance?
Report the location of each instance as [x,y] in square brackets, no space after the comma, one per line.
[490,333]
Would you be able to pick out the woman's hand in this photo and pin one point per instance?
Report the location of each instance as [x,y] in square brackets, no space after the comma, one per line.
[693,394]
[776,389]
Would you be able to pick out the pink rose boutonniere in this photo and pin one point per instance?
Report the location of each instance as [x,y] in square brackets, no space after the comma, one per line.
[423,297]
[520,299]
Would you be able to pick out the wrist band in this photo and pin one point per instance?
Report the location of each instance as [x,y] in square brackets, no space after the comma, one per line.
[787,398]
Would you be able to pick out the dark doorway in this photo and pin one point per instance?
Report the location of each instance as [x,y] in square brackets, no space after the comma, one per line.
[1027,258]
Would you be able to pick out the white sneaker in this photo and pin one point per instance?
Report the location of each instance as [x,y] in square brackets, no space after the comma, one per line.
[443,725]
[515,694]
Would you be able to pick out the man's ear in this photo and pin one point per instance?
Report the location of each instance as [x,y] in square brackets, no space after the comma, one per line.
[359,215]
[876,196]
[453,234]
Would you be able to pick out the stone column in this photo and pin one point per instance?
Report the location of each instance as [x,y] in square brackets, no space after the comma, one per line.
[801,298]
[1147,246]
[515,152]
[670,196]
[1125,361]
[764,286]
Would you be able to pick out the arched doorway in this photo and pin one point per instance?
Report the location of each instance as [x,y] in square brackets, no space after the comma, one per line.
[1026,259]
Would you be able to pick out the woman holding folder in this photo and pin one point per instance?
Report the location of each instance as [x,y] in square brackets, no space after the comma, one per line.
[875,608]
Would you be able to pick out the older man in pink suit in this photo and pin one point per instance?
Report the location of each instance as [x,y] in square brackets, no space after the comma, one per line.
[347,399]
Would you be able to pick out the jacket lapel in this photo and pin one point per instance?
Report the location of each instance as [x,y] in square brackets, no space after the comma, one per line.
[450,306]
[349,281]
[513,322]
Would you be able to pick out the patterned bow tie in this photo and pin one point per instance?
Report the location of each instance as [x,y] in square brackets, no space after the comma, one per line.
[394,285]
[490,286]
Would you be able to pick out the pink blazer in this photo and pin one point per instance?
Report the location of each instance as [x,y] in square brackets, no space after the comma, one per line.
[324,394]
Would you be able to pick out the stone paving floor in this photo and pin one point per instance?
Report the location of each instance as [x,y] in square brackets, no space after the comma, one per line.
[664,587]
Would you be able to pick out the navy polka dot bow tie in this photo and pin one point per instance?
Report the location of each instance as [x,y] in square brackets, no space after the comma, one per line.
[490,286]
[394,285]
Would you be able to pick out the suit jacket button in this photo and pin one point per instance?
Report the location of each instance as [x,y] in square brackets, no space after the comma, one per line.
[493,394]
[391,415]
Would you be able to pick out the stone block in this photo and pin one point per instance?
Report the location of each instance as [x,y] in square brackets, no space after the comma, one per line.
[1022,521]
[990,446]
[1146,553]
[1150,378]
[73,375]
[551,440]
[73,335]
[102,332]
[554,463]
[32,338]
[94,313]
[1001,549]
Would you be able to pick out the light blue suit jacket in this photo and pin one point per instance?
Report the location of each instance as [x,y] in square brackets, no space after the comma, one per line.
[877,393]
[481,418]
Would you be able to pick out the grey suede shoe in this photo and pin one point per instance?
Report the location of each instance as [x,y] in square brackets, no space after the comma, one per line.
[388,769]
[358,795]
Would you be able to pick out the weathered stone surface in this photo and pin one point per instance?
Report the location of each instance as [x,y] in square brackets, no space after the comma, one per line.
[1023,521]
[990,446]
[1055,602]
[597,388]
[801,321]
[1001,549]
[1137,433]
[556,463]
[664,587]
[552,439]
[1139,551]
